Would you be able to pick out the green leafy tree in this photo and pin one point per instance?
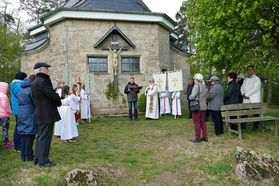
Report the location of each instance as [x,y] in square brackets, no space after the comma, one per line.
[229,35]
[36,8]
[10,39]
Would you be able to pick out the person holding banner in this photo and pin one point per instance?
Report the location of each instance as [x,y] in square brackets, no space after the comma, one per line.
[164,102]
[176,104]
[152,107]
[84,105]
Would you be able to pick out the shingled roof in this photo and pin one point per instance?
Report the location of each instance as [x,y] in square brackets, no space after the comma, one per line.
[119,5]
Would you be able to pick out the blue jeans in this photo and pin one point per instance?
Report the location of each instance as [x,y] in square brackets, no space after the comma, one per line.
[131,103]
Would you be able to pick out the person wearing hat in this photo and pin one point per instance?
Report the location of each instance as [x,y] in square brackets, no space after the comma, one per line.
[15,88]
[199,93]
[215,98]
[46,101]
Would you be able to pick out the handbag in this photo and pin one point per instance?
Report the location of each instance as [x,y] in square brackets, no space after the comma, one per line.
[195,104]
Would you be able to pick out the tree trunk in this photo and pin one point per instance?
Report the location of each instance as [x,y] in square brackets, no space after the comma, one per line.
[269,89]
[262,91]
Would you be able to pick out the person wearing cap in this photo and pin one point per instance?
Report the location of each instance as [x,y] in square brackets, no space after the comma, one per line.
[15,88]
[251,91]
[215,98]
[46,101]
[188,93]
[199,93]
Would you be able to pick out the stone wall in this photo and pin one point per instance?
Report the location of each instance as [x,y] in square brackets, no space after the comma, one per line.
[72,41]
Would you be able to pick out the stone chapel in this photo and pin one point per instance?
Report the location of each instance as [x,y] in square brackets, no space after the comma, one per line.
[83,39]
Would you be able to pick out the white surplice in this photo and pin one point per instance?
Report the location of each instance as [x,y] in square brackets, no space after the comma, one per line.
[164,102]
[176,104]
[84,105]
[152,106]
[68,125]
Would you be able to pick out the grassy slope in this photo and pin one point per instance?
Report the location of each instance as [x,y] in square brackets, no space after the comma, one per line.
[151,152]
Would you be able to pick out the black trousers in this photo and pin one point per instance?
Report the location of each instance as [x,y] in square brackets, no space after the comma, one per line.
[218,123]
[17,137]
[26,143]
[43,142]
[190,112]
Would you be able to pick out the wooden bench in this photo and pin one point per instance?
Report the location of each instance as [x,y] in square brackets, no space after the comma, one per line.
[239,110]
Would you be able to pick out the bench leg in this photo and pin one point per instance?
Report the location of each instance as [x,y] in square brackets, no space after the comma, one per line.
[262,125]
[229,129]
[239,130]
[275,127]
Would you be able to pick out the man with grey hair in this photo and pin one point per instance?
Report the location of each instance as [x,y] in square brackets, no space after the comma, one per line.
[152,106]
[46,101]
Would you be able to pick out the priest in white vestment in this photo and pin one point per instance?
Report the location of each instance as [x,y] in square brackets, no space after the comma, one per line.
[176,104]
[84,105]
[152,106]
[164,102]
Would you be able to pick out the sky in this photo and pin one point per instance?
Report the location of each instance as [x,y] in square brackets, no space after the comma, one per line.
[170,7]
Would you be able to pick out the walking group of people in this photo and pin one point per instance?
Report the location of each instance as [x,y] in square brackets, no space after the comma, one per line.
[208,96]
[36,107]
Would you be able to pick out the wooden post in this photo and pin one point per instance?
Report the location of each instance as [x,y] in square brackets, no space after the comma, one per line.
[239,130]
[275,127]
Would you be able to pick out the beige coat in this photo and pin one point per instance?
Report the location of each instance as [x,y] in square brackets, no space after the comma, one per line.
[201,90]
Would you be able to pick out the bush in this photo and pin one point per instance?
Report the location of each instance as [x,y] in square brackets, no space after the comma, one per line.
[142,103]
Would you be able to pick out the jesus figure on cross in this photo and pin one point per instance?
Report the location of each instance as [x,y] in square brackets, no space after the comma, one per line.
[115,59]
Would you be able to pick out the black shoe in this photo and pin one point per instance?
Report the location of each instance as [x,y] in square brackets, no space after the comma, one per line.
[35,162]
[195,141]
[48,164]
[204,139]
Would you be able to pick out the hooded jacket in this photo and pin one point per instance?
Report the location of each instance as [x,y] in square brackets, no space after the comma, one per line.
[15,88]
[5,108]
[26,109]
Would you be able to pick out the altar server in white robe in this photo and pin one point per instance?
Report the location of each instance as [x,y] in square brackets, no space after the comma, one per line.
[84,105]
[69,130]
[176,104]
[152,106]
[164,102]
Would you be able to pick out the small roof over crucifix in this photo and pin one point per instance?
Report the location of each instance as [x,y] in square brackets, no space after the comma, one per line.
[114,44]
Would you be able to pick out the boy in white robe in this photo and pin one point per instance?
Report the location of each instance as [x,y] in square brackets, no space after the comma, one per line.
[176,104]
[68,123]
[84,105]
[164,103]
[152,106]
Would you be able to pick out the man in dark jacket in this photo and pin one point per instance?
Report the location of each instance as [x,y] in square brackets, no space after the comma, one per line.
[46,101]
[233,92]
[132,97]
[188,93]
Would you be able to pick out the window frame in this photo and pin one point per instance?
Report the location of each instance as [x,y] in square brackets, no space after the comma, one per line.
[97,56]
[131,72]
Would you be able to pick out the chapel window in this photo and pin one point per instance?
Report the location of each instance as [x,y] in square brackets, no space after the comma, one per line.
[98,64]
[130,64]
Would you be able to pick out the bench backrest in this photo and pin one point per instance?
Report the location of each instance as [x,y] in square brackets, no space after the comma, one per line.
[244,109]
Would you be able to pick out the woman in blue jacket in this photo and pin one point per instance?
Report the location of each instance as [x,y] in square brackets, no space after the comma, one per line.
[15,88]
[27,127]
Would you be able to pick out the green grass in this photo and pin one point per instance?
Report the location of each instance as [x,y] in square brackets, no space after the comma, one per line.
[150,153]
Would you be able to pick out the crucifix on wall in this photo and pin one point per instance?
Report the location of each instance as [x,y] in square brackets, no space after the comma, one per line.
[115,49]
